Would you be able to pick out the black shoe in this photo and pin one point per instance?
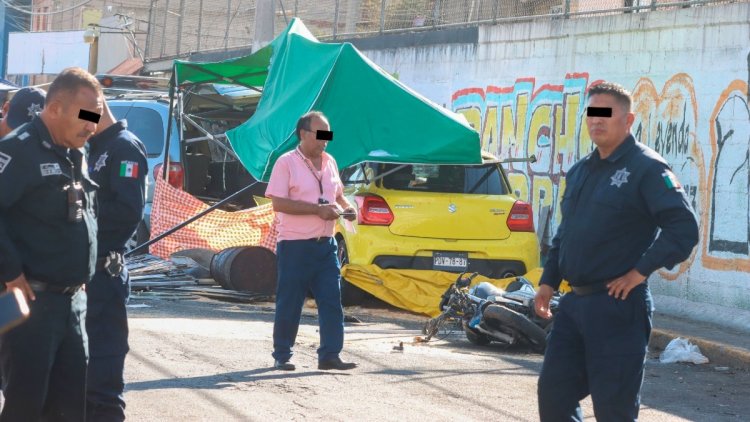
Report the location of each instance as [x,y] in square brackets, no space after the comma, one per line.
[336,363]
[284,366]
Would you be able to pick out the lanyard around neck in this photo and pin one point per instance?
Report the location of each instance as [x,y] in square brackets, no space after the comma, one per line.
[314,173]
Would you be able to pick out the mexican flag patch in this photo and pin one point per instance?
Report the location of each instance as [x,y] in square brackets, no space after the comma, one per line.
[671,180]
[128,169]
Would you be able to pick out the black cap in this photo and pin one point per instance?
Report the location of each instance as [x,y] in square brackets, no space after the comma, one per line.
[24,105]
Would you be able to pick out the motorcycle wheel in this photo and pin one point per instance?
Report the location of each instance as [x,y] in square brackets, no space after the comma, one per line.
[502,316]
[474,337]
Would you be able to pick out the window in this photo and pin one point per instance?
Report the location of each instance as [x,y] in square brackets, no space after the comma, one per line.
[481,180]
[146,124]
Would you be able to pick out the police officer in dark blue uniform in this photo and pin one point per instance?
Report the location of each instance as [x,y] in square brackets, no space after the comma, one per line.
[117,163]
[616,200]
[24,106]
[48,251]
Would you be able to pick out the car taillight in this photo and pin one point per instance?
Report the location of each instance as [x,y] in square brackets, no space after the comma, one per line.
[521,218]
[374,211]
[175,175]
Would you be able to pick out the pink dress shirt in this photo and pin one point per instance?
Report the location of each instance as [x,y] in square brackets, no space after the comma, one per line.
[291,178]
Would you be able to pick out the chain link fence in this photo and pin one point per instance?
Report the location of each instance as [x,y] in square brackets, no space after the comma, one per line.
[178,27]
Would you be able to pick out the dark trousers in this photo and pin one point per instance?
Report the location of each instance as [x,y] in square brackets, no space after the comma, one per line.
[308,265]
[44,361]
[597,346]
[107,327]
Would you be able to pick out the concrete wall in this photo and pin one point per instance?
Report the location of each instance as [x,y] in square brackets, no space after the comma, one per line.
[523,86]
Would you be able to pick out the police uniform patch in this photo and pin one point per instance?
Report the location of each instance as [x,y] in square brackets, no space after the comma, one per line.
[4,160]
[23,136]
[128,169]
[50,169]
[33,109]
[101,162]
[620,177]
[671,180]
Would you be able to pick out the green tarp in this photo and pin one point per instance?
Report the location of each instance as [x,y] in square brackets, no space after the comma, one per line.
[373,116]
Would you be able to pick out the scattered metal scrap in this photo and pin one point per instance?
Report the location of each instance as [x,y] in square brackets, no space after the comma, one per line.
[171,279]
[227,295]
[148,271]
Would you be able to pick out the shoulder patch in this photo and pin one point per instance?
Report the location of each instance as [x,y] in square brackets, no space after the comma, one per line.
[50,169]
[671,180]
[101,161]
[4,160]
[128,169]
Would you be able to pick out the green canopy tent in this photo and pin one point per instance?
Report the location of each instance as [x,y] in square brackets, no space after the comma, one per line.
[373,116]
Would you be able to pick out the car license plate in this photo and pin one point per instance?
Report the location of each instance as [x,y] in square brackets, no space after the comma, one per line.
[450,261]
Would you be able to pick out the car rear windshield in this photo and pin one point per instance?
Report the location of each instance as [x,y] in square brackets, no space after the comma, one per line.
[146,124]
[484,179]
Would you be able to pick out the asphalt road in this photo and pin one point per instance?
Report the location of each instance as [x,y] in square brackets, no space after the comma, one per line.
[197,359]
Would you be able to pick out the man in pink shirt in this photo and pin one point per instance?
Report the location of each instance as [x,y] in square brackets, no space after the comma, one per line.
[308,198]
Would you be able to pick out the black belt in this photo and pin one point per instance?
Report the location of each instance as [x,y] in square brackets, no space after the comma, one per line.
[319,239]
[591,288]
[40,286]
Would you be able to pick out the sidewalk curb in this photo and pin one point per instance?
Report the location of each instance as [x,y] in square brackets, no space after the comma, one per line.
[718,354]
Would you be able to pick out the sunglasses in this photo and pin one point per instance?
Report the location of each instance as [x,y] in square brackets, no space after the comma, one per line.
[322,135]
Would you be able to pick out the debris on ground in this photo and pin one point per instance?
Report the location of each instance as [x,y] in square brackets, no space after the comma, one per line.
[148,271]
[681,350]
[226,295]
[352,319]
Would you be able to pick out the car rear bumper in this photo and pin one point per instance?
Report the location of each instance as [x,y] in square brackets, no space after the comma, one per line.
[516,254]
[493,268]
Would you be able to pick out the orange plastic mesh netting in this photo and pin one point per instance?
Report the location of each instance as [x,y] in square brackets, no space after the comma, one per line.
[216,231]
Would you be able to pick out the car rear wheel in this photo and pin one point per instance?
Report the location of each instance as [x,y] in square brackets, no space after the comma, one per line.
[351,295]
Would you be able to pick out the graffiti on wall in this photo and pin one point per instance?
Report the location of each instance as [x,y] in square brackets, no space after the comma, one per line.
[667,121]
[522,120]
[547,121]
[727,241]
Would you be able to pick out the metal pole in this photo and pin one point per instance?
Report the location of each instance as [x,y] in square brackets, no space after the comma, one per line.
[226,34]
[173,91]
[150,33]
[164,30]
[335,19]
[567,8]
[200,25]
[382,15]
[494,11]
[190,220]
[179,25]
[436,14]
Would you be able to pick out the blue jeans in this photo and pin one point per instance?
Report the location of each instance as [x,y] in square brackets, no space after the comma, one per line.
[597,346]
[107,327]
[302,266]
[44,361]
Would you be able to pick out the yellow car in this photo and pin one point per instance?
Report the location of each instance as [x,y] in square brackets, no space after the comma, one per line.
[437,217]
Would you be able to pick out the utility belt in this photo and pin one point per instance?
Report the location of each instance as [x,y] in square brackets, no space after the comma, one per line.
[113,264]
[40,286]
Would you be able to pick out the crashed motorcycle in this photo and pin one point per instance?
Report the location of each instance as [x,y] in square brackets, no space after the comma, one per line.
[487,313]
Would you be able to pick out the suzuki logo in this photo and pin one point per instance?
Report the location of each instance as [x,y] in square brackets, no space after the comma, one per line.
[452,208]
